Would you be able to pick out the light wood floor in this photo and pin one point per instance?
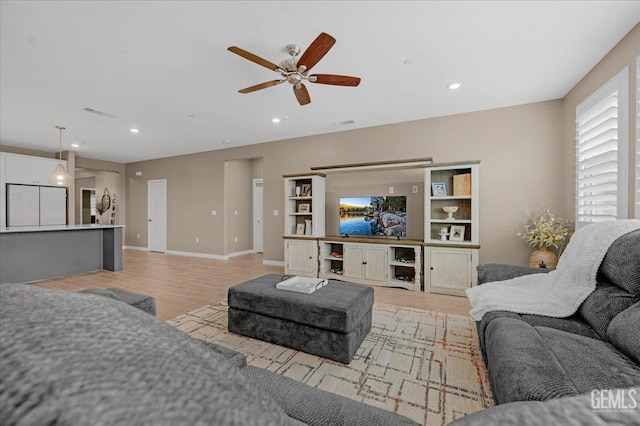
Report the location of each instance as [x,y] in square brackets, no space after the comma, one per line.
[181,284]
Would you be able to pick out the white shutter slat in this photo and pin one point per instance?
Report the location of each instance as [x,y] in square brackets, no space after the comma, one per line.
[604,157]
[586,125]
[604,128]
[598,147]
[599,179]
[607,102]
[598,169]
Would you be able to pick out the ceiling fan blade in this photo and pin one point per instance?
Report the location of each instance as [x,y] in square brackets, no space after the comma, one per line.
[337,80]
[302,94]
[261,86]
[316,51]
[253,58]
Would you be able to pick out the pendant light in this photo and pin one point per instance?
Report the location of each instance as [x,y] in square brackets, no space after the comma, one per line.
[60,177]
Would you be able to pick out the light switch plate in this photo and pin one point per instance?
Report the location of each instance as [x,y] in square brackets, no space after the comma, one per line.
[275,212]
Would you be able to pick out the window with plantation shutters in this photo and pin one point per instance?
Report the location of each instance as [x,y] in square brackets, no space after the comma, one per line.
[602,153]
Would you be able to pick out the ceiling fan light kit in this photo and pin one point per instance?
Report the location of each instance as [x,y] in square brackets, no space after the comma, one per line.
[296,71]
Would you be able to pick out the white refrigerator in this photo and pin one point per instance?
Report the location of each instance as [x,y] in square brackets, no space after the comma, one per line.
[30,205]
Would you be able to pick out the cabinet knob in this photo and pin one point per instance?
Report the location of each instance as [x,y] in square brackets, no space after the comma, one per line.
[431,268]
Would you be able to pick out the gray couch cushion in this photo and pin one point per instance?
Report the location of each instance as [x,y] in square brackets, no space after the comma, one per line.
[337,306]
[621,265]
[539,363]
[589,363]
[69,358]
[624,332]
[238,359]
[575,410]
[521,367]
[604,304]
[316,407]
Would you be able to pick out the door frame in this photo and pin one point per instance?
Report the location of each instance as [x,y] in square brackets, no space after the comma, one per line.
[81,207]
[149,182]
[256,183]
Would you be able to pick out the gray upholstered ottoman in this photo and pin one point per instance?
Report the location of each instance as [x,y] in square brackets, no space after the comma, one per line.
[331,322]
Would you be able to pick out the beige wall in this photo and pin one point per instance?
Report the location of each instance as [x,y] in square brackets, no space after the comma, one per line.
[519,149]
[239,206]
[622,55]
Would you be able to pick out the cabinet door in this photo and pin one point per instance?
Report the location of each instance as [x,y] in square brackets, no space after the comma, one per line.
[353,259]
[53,206]
[44,167]
[450,270]
[376,264]
[23,205]
[301,258]
[20,169]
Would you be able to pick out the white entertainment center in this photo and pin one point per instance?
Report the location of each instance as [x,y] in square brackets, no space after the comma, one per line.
[449,261]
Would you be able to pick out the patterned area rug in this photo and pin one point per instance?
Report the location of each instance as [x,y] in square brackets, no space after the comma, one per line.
[421,364]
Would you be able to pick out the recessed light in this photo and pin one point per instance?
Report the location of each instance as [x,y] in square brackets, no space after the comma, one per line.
[134,130]
[454,86]
[75,145]
[226,141]
[275,120]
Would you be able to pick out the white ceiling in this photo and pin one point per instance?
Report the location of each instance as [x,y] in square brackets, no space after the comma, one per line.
[163,67]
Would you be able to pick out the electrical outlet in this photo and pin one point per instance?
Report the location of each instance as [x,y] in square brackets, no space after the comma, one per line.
[235,239]
[197,239]
[276,212]
[213,212]
[391,190]
[414,188]
[138,235]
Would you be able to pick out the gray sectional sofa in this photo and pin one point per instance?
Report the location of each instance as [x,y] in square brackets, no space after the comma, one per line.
[84,359]
[536,358]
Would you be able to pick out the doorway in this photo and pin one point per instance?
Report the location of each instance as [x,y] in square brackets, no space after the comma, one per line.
[87,206]
[157,215]
[258,227]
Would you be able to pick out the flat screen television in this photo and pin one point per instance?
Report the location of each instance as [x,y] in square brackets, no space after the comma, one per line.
[380,216]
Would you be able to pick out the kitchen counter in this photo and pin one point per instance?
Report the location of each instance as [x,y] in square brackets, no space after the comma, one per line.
[55,228]
[33,253]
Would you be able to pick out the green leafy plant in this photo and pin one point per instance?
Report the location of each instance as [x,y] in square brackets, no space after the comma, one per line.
[546,230]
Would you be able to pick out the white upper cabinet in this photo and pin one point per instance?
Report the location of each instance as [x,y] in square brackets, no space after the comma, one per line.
[29,170]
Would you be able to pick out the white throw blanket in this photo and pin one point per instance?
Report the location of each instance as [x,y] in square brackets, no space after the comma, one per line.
[561,292]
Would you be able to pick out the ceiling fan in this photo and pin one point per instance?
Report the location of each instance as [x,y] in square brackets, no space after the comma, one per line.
[296,71]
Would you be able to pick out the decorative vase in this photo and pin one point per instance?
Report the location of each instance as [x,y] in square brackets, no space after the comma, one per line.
[543,258]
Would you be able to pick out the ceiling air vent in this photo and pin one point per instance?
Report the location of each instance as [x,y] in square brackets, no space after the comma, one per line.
[343,123]
[95,111]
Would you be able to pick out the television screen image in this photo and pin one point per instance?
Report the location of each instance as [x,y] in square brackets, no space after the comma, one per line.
[374,216]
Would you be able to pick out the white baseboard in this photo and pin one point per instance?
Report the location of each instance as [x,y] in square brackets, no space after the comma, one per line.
[273,263]
[204,255]
[135,248]
[193,254]
[240,253]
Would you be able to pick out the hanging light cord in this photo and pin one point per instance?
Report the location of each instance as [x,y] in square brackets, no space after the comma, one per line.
[61,129]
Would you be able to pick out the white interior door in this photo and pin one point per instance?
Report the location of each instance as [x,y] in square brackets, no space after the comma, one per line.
[258,227]
[157,219]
